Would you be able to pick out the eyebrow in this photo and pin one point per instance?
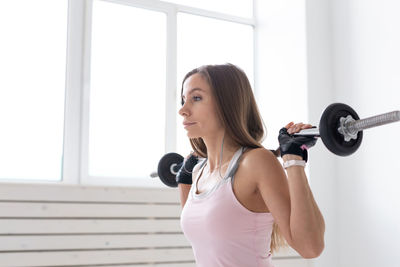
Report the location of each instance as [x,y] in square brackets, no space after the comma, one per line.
[192,90]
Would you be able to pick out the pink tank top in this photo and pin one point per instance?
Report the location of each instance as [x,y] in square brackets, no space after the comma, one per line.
[221,230]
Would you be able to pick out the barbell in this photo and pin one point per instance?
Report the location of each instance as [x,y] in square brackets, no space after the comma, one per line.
[168,168]
[340,129]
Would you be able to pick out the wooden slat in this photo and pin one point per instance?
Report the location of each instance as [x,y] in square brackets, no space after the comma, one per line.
[277,263]
[104,226]
[78,193]
[292,263]
[23,243]
[72,226]
[193,264]
[67,210]
[160,265]
[95,257]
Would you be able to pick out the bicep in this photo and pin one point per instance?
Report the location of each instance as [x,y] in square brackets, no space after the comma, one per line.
[272,184]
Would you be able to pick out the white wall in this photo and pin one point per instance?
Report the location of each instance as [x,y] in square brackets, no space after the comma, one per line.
[294,83]
[349,53]
[281,80]
[353,50]
[366,65]
[320,95]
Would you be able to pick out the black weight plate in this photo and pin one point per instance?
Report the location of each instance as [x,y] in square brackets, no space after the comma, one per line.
[164,168]
[328,129]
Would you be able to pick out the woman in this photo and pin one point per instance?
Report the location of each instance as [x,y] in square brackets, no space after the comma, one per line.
[241,203]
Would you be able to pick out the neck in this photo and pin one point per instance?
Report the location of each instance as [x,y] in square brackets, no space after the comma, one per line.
[214,148]
[212,170]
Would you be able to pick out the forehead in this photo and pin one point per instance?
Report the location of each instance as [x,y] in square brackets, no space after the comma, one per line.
[195,81]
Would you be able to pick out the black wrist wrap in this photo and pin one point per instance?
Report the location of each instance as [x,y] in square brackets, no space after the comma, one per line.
[184,175]
[295,145]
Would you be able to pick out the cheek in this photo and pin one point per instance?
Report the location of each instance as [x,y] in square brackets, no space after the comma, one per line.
[211,119]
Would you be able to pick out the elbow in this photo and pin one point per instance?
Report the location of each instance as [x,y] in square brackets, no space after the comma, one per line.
[312,246]
[313,251]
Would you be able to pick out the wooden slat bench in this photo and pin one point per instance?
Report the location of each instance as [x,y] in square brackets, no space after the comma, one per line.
[67,225]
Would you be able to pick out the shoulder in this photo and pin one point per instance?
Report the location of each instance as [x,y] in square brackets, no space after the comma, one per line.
[261,164]
[254,153]
[259,158]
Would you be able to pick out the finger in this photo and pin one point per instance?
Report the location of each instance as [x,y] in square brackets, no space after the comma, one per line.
[288,125]
[291,129]
[298,127]
[306,126]
[294,128]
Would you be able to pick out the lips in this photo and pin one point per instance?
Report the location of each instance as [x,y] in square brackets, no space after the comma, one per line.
[185,123]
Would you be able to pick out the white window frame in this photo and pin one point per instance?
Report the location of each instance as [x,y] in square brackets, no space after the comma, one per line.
[77,91]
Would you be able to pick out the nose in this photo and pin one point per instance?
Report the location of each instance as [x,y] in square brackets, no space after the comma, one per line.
[183,111]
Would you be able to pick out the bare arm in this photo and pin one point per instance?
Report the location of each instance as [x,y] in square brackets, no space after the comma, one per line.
[290,200]
[307,221]
[183,193]
[185,188]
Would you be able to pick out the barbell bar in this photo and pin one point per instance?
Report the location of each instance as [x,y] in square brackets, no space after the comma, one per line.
[352,127]
[340,129]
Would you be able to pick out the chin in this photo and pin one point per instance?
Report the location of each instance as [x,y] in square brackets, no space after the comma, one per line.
[193,135]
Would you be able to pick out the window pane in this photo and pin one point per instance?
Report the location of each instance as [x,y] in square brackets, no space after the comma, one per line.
[127,95]
[32,87]
[203,41]
[241,8]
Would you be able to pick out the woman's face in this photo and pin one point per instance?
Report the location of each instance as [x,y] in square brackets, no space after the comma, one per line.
[198,111]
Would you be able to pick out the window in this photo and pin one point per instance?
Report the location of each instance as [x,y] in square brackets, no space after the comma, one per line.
[127,90]
[32,66]
[90,90]
[133,120]
[241,8]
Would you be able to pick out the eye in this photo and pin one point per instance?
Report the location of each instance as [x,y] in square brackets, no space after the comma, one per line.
[195,98]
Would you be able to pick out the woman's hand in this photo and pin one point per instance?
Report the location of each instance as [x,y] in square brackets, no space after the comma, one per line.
[184,175]
[295,128]
[295,147]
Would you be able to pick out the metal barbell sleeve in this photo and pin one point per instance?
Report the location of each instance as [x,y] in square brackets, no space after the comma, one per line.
[350,127]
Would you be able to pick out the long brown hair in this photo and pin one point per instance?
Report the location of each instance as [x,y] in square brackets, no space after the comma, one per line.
[238,112]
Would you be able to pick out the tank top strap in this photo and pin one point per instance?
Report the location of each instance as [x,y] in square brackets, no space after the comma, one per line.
[235,164]
[202,164]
